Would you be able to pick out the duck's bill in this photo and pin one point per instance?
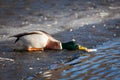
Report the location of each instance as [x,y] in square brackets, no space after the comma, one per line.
[91,50]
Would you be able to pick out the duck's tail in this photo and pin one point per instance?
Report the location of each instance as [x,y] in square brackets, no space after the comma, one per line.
[17,37]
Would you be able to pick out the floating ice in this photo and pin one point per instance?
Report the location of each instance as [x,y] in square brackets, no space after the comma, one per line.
[30,68]
[92,50]
[6,59]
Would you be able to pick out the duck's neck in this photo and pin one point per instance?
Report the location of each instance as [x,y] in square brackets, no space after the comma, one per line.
[72,45]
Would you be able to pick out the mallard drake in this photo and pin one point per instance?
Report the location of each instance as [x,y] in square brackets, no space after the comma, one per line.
[40,40]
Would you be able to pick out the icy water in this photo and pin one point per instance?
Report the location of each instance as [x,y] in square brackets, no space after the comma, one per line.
[92,23]
[101,65]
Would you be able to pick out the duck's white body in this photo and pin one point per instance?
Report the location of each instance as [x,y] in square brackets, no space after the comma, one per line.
[38,40]
[34,40]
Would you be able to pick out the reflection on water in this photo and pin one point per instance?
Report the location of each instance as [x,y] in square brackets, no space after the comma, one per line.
[103,65]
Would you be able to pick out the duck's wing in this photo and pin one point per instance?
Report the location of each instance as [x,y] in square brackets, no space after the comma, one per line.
[18,36]
[49,36]
[45,33]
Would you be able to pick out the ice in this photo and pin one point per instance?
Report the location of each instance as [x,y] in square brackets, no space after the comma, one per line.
[6,59]
[88,22]
[92,50]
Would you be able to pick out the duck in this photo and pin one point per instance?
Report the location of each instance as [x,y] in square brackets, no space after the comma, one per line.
[40,40]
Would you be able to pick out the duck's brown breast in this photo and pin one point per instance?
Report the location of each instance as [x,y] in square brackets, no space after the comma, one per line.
[53,45]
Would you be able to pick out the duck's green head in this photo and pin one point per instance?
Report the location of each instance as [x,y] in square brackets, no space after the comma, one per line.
[72,45]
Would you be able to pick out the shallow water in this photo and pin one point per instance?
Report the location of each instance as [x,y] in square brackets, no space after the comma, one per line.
[101,65]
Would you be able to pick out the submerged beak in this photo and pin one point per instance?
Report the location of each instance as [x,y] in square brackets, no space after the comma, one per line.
[86,49]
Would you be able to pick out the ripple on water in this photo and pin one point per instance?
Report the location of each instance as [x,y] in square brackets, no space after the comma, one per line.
[102,65]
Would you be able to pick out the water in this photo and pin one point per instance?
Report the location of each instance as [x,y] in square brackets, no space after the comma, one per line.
[102,65]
